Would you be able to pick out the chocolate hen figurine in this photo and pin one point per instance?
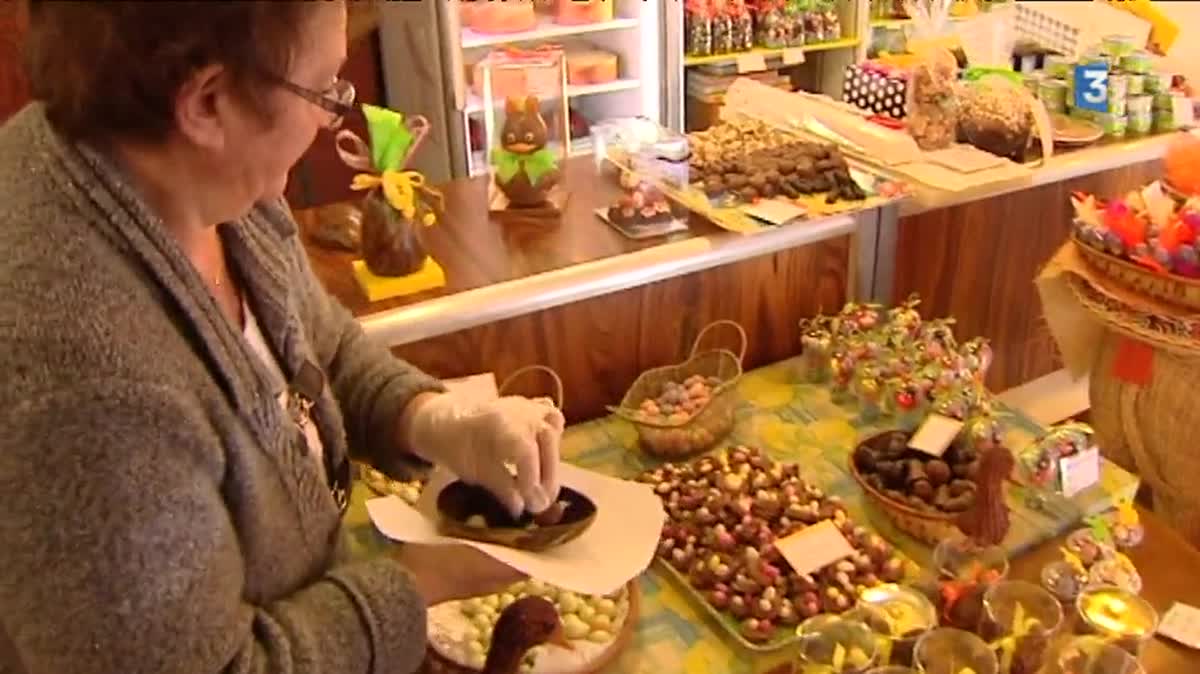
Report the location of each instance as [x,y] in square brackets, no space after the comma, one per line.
[525,168]
[987,522]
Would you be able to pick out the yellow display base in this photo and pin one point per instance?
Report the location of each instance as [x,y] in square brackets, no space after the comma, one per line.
[378,288]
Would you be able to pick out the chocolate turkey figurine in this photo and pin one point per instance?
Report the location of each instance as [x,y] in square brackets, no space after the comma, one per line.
[986,522]
[524,624]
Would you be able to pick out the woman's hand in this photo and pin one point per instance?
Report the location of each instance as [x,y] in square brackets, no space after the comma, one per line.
[484,443]
[447,572]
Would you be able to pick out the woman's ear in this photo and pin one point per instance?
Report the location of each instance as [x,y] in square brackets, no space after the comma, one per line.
[202,107]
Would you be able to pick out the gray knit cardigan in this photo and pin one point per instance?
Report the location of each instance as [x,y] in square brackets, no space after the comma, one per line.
[160,512]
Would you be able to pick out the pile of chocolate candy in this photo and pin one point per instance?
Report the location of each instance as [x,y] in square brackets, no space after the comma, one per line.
[724,515]
[894,363]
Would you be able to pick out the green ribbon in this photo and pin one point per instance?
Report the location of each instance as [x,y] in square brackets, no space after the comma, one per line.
[536,164]
[1100,530]
[391,139]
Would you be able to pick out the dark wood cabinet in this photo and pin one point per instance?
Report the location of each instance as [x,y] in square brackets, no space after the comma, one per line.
[14,88]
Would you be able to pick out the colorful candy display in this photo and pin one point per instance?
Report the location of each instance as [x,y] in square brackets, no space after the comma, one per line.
[1148,227]
[894,363]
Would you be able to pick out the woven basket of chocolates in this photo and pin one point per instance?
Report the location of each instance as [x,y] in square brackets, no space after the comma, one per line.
[683,409]
[923,495]
[1171,288]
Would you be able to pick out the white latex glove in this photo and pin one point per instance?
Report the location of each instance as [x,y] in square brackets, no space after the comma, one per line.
[483,443]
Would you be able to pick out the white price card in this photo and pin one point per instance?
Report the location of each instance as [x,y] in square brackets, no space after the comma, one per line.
[774,211]
[752,62]
[935,434]
[814,548]
[1078,472]
[1181,623]
[793,56]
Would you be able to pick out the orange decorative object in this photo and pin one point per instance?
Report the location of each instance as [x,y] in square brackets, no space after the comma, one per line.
[573,12]
[1182,163]
[591,66]
[512,16]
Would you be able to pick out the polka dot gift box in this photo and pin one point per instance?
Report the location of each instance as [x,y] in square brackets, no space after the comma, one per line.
[875,88]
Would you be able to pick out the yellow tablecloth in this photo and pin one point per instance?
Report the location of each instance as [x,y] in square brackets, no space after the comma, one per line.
[793,421]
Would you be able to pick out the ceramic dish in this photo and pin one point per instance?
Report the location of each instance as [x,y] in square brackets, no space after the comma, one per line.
[471,512]
[1075,131]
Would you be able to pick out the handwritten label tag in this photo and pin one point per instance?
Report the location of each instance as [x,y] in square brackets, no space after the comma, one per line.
[752,62]
[1181,623]
[814,548]
[935,435]
[793,56]
[1078,472]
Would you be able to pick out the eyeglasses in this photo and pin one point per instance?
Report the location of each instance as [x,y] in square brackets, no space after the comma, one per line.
[338,100]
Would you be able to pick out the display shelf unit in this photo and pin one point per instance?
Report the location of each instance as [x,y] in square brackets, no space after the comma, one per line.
[770,54]
[574,91]
[546,30]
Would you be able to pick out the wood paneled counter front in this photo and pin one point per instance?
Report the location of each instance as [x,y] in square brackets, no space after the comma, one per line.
[976,258]
[581,298]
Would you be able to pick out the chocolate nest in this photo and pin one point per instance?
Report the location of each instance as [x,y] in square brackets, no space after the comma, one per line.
[472,512]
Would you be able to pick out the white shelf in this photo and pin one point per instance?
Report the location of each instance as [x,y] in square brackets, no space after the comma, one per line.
[546,29]
[475,103]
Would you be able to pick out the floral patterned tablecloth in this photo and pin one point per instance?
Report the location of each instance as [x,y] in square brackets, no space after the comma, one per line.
[794,421]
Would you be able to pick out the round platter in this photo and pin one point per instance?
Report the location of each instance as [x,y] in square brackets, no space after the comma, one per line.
[448,628]
[1074,131]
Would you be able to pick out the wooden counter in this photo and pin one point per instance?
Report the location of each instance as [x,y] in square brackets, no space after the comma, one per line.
[601,341]
[477,252]
[976,260]
[1167,565]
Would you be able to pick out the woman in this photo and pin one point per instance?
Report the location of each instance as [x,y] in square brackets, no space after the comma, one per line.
[180,396]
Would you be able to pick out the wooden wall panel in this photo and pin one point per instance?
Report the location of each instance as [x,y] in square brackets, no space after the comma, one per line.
[14,89]
[599,346]
[977,262]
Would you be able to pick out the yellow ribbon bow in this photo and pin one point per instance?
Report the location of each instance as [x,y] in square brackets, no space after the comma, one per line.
[399,188]
[1021,626]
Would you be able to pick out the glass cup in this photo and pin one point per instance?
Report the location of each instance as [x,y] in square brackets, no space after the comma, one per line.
[830,643]
[898,616]
[1063,580]
[947,650]
[1090,655]
[1117,616]
[965,571]
[960,559]
[1020,619]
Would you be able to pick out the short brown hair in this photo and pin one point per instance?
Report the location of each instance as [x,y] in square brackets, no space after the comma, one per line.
[113,69]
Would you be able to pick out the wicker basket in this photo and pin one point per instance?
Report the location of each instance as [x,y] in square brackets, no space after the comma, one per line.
[708,425]
[1170,288]
[925,526]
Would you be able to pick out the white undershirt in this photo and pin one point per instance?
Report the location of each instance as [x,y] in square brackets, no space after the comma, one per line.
[258,343]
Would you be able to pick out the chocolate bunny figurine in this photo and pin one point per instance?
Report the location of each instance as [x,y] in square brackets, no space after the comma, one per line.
[525,168]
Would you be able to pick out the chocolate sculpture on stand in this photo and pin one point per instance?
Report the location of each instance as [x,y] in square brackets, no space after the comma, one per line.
[398,206]
[526,155]
[987,521]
